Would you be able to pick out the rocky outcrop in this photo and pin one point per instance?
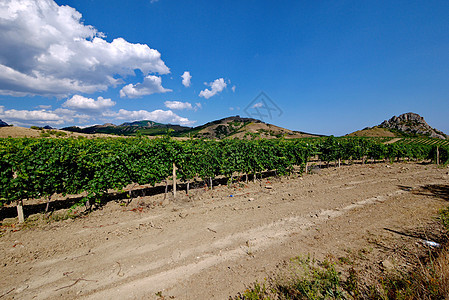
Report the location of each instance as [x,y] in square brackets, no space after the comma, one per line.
[3,124]
[412,124]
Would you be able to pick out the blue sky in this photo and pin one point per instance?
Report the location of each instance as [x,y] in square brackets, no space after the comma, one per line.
[331,67]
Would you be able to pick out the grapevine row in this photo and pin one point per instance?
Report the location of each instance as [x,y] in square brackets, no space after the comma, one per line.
[33,168]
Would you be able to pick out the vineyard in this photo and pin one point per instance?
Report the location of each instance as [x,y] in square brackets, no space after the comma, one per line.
[426,141]
[34,168]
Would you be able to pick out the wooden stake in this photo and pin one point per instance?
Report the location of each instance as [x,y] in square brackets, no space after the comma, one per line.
[48,204]
[166,189]
[306,166]
[174,181]
[188,185]
[20,211]
[438,155]
[210,181]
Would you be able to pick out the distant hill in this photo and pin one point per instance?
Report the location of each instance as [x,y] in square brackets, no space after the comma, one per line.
[145,127]
[238,127]
[405,125]
[231,127]
[3,124]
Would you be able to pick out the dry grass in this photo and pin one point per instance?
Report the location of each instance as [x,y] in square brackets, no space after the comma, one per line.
[20,132]
[433,279]
[373,132]
[429,279]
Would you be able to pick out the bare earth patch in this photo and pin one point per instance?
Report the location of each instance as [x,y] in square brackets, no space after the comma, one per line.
[209,245]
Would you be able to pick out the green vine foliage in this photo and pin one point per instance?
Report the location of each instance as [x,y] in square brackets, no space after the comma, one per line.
[31,168]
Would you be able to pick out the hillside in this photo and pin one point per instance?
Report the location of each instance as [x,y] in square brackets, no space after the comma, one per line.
[405,125]
[19,132]
[375,131]
[231,127]
[145,127]
[3,124]
[238,127]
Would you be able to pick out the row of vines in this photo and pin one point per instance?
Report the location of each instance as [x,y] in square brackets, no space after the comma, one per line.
[426,141]
[34,168]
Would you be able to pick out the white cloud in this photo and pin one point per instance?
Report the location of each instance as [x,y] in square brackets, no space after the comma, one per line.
[160,116]
[150,85]
[40,117]
[257,105]
[64,117]
[186,77]
[44,106]
[198,105]
[88,105]
[216,87]
[178,105]
[47,50]
[233,88]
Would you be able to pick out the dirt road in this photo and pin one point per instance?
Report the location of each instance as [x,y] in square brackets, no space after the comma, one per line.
[209,245]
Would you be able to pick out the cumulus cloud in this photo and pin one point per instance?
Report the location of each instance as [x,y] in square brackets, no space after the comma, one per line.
[233,88]
[63,116]
[186,77]
[216,87]
[44,106]
[40,117]
[178,105]
[47,50]
[150,85]
[88,105]
[160,116]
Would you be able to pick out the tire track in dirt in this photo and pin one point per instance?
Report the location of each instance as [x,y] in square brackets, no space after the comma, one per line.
[257,239]
[133,255]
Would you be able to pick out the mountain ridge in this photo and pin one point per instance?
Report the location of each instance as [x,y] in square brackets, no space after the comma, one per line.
[229,127]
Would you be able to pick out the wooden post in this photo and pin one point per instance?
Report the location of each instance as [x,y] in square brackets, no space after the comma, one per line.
[48,204]
[174,181]
[339,162]
[188,185]
[20,211]
[210,182]
[306,166]
[438,155]
[166,189]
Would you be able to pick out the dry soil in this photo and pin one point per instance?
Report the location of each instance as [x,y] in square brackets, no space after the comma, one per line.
[213,244]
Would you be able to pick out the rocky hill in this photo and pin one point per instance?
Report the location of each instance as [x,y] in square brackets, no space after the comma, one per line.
[412,124]
[408,124]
